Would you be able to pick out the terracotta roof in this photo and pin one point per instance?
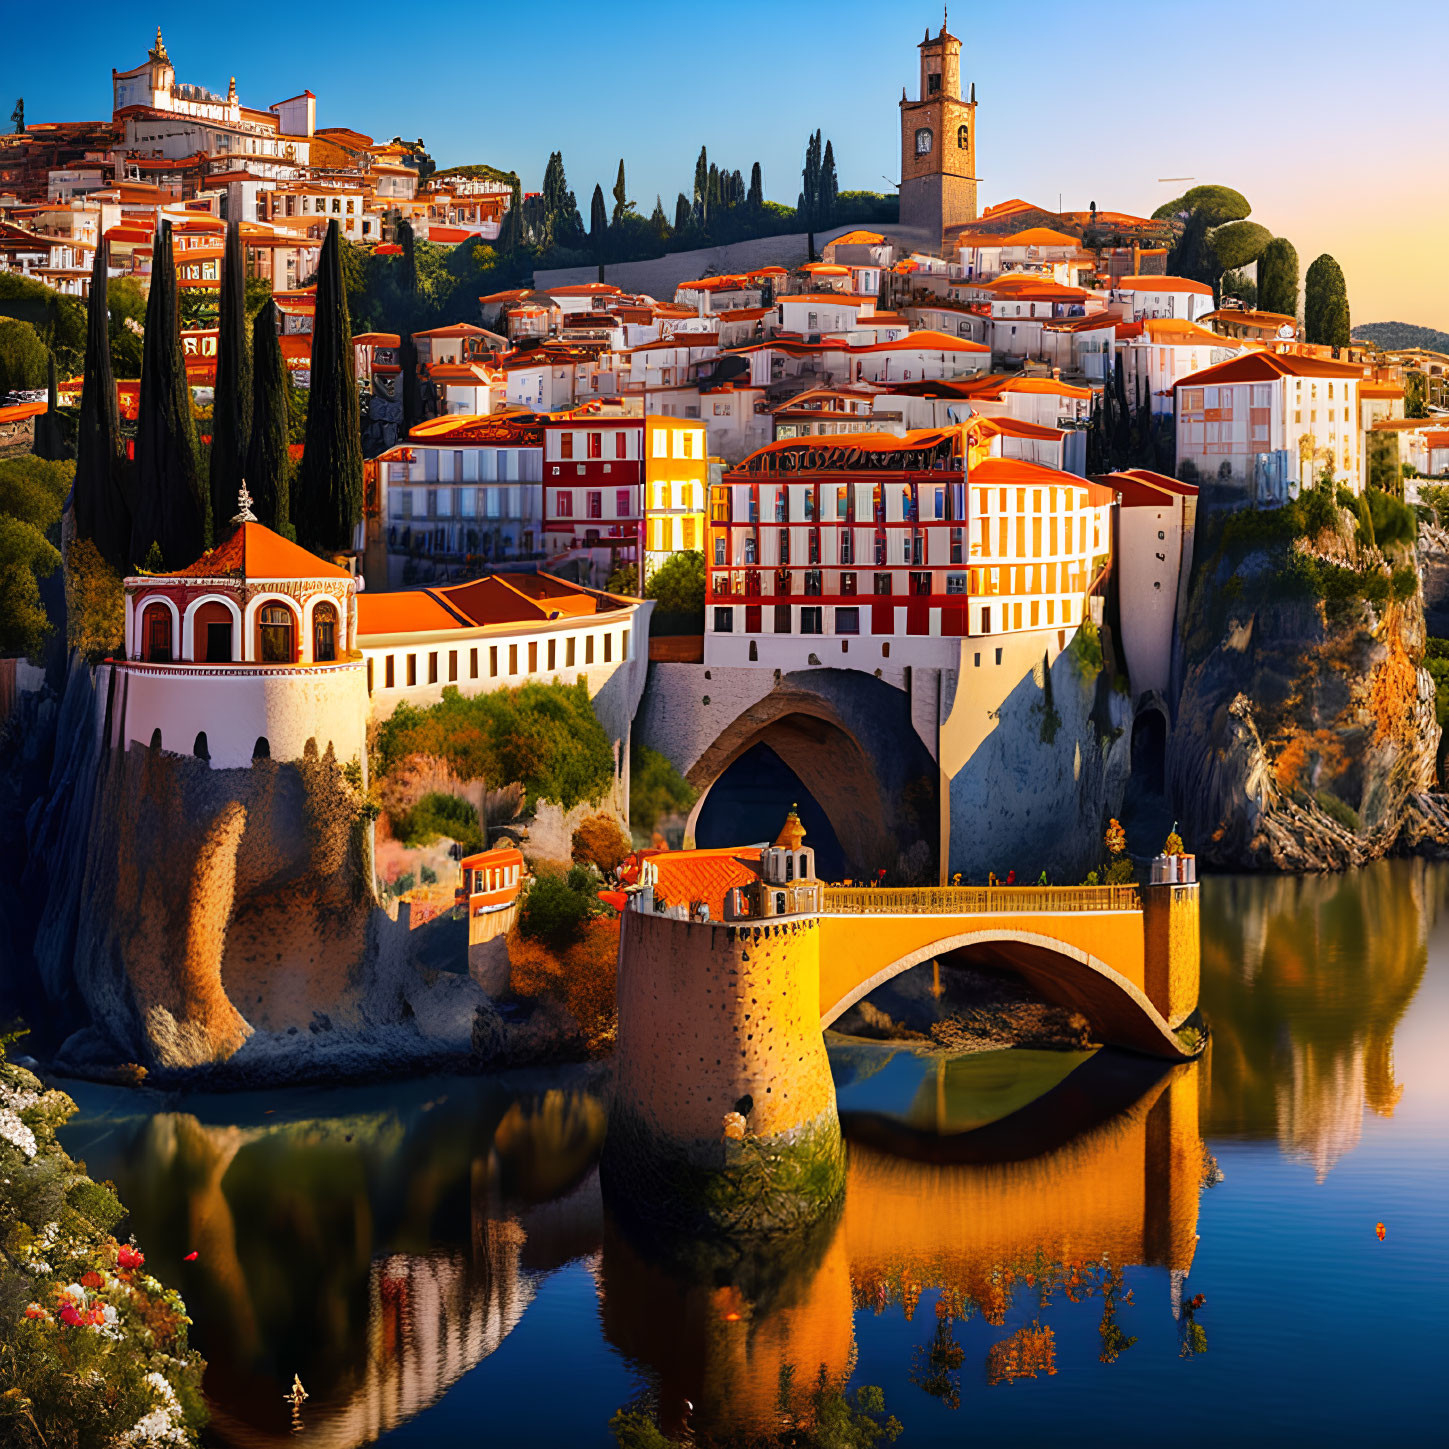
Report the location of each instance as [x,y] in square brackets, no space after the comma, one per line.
[1017,472]
[1045,385]
[253,551]
[686,876]
[926,341]
[1179,332]
[857,239]
[1268,367]
[517,599]
[1161,284]
[1142,488]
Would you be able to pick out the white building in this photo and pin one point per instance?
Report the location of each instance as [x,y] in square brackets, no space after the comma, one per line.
[1179,297]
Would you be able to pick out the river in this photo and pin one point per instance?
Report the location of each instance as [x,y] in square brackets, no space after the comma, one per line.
[1032,1244]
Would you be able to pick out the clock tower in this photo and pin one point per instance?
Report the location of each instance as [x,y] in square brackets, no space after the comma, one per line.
[938,146]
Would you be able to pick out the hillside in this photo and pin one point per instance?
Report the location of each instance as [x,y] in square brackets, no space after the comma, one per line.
[478,172]
[1391,336]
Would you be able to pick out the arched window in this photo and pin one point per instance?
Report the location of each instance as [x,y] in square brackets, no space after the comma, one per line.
[324,634]
[923,141]
[963,136]
[278,635]
[789,866]
[156,636]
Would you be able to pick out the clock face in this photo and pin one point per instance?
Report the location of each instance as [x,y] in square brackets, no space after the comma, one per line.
[923,141]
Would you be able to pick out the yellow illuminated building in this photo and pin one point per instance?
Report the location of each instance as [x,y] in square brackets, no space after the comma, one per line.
[676,483]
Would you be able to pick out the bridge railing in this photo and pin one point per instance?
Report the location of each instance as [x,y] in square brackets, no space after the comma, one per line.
[977,900]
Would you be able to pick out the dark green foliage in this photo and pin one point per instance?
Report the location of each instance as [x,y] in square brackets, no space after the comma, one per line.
[1416,395]
[1278,278]
[755,197]
[678,584]
[1216,204]
[556,908]
[1325,304]
[810,190]
[328,504]
[622,203]
[599,227]
[34,489]
[102,512]
[231,411]
[1394,522]
[51,440]
[268,463]
[681,212]
[439,814]
[1399,336]
[1337,810]
[656,789]
[24,358]
[1239,243]
[1241,286]
[829,187]
[408,261]
[543,736]
[59,322]
[172,504]
[1384,471]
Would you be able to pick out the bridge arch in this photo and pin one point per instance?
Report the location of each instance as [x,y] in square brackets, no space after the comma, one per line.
[1117,1009]
[867,792]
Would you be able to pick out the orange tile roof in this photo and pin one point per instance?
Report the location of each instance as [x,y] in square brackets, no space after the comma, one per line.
[857,239]
[1268,367]
[1051,385]
[839,297]
[409,611]
[1142,488]
[686,876]
[253,551]
[1162,284]
[925,341]
[1179,332]
[1017,472]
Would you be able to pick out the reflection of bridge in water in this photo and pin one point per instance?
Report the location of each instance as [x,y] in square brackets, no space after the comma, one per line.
[725,1335]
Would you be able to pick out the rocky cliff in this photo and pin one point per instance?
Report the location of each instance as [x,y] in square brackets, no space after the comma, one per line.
[1305,736]
[212,924]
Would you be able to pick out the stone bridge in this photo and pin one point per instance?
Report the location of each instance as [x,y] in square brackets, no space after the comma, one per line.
[725,1111]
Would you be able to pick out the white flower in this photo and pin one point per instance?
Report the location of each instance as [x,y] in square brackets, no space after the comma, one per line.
[15,1132]
[162,1425]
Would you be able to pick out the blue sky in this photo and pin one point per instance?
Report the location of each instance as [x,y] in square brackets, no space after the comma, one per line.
[1326,116]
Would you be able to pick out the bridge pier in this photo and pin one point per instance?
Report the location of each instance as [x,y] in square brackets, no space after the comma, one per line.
[1171,943]
[724,1114]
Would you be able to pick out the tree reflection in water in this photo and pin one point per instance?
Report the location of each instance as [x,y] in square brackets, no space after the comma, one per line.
[1304,980]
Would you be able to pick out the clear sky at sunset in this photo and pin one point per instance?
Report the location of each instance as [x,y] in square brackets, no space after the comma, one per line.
[1329,116]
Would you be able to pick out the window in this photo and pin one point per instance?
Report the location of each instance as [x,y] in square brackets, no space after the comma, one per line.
[933,85]
[552,653]
[565,504]
[513,659]
[724,620]
[324,634]
[588,648]
[412,670]
[719,551]
[158,635]
[920,583]
[452,666]
[621,444]
[810,619]
[847,583]
[596,445]
[955,583]
[963,137]
[566,445]
[432,666]
[624,645]
[533,656]
[493,661]
[847,620]
[388,679]
[569,652]
[621,498]
[608,648]
[882,583]
[782,618]
[784,545]
[812,582]
[924,138]
[278,631]
[596,505]
[472,664]
[660,443]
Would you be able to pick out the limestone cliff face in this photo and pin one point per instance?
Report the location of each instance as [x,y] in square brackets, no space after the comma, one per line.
[1305,736]
[222,922]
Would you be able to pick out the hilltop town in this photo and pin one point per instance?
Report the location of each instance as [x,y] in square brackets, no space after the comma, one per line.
[383,539]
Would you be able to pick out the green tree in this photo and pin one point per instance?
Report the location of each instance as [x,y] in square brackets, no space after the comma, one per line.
[49,431]
[126,304]
[622,204]
[755,198]
[231,409]
[1278,278]
[1217,205]
[102,513]
[656,789]
[23,357]
[829,187]
[1242,286]
[328,505]
[701,188]
[678,584]
[1238,244]
[809,204]
[25,558]
[268,460]
[599,228]
[17,116]
[171,507]
[658,222]
[511,236]
[1325,304]
[1416,395]
[681,214]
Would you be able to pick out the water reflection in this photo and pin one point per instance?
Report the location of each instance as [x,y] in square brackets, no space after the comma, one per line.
[1305,979]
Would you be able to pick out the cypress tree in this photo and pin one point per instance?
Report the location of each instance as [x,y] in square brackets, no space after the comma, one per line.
[621,195]
[681,214]
[810,190]
[47,425]
[328,505]
[231,412]
[172,504]
[511,236]
[101,512]
[701,187]
[599,227]
[829,187]
[658,222]
[1278,278]
[268,461]
[1325,304]
[409,275]
[756,198]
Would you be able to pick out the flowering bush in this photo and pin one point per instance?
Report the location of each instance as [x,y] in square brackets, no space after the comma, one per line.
[93,1350]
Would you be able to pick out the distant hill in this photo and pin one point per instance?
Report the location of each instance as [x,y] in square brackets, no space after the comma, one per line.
[478,173]
[1394,336]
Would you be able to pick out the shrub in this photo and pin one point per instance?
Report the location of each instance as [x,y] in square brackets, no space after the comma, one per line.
[95,604]
[557,908]
[582,975]
[34,490]
[1338,810]
[544,736]
[656,789]
[25,559]
[24,358]
[600,842]
[678,584]
[437,815]
[1120,872]
[1393,521]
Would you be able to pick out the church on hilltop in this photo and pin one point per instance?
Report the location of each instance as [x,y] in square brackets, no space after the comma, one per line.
[938,147]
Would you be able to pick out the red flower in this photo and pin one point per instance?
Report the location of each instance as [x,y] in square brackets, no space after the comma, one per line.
[128,1257]
[190,1258]
[91,1279]
[98,1314]
[71,1317]
[36,1311]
